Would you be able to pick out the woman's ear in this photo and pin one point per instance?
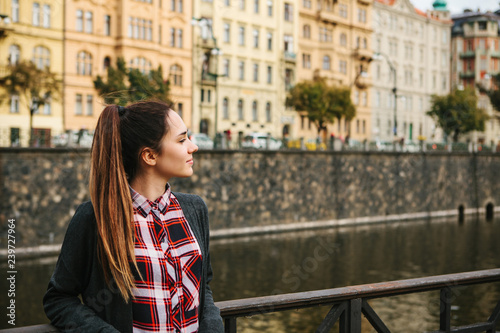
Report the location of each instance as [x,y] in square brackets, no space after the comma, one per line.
[148,156]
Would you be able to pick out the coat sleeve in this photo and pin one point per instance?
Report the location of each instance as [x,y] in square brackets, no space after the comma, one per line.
[71,276]
[195,210]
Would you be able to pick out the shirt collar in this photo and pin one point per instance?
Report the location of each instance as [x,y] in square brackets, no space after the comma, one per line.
[144,206]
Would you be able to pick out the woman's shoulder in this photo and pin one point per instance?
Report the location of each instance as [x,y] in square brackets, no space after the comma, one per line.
[190,199]
[84,217]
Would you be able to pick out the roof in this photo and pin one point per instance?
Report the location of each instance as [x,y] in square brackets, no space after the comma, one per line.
[418,11]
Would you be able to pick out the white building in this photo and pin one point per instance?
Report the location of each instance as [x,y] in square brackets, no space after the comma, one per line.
[415,46]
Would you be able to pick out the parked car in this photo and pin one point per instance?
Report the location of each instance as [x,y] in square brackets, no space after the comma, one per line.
[312,144]
[202,141]
[259,141]
[71,138]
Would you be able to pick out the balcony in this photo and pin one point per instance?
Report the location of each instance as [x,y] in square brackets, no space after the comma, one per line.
[467,54]
[290,56]
[5,27]
[467,75]
[326,17]
[362,54]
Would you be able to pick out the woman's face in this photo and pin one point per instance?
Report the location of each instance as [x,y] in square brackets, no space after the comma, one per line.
[176,150]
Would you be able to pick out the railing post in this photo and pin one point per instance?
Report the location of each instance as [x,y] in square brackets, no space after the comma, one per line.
[445,310]
[230,325]
[355,315]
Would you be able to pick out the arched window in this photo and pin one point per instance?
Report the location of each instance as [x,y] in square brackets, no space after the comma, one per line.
[268,112]
[343,39]
[240,110]
[84,63]
[41,57]
[14,54]
[255,113]
[225,108]
[176,75]
[326,62]
[142,64]
[306,31]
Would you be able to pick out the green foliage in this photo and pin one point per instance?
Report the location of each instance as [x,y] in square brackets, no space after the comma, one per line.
[116,90]
[457,113]
[322,103]
[34,86]
[494,94]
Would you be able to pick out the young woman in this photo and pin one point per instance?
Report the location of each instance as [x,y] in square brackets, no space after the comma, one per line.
[135,258]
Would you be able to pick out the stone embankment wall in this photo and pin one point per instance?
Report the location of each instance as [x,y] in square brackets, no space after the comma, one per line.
[41,189]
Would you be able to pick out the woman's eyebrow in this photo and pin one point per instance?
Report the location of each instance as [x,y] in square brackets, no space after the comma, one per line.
[182,134]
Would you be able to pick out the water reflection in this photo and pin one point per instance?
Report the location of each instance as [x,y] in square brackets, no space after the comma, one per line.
[311,260]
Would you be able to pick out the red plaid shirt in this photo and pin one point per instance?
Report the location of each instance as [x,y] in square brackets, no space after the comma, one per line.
[169,259]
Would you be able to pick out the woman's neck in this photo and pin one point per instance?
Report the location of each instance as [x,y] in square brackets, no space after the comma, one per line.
[150,187]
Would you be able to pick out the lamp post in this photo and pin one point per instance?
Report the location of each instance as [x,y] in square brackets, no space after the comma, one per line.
[207,32]
[377,56]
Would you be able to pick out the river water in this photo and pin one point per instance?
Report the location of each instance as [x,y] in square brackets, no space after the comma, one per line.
[329,258]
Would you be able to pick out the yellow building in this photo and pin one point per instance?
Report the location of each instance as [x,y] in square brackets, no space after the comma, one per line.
[243,55]
[335,44]
[30,30]
[145,33]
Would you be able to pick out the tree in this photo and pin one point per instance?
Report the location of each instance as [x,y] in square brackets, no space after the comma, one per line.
[494,94]
[34,86]
[140,86]
[322,103]
[457,113]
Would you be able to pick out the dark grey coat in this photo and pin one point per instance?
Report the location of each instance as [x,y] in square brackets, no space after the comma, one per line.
[78,277]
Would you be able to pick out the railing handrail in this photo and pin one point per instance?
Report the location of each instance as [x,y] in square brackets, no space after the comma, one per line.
[264,304]
[259,305]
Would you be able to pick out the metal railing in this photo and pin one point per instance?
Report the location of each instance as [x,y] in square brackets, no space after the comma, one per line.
[350,303]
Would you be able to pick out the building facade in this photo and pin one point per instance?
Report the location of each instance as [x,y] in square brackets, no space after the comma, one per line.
[243,55]
[335,44]
[146,34]
[412,63]
[475,60]
[31,31]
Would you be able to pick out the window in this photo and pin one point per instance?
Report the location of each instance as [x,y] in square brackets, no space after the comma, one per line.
[288,12]
[269,74]
[41,57]
[79,105]
[361,15]
[142,64]
[180,109]
[306,31]
[269,41]
[226,33]
[225,108]
[306,60]
[226,67]
[482,25]
[364,98]
[255,72]
[106,63]
[356,97]
[179,38]
[377,99]
[227,3]
[90,105]
[325,35]
[36,14]
[268,112]
[46,16]
[14,136]
[140,29]
[202,95]
[256,6]
[306,3]
[288,39]
[14,104]
[240,110]
[15,11]
[176,75]
[269,8]
[14,54]
[172,37]
[241,36]
[343,39]
[172,5]
[288,78]
[255,113]
[256,38]
[89,22]
[107,25]
[242,4]
[343,66]
[241,70]
[84,63]
[343,10]
[326,62]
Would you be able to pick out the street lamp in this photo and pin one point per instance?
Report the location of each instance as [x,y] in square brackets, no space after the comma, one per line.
[207,32]
[379,56]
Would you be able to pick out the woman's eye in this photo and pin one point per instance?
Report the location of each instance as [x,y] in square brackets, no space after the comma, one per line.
[182,140]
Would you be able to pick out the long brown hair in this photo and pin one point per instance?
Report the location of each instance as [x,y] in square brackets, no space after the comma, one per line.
[119,138]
